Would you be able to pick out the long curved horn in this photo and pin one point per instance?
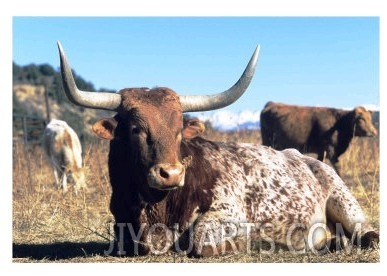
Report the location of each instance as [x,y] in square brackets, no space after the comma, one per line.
[191,103]
[96,100]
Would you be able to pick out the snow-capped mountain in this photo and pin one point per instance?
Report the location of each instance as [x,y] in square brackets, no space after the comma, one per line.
[226,121]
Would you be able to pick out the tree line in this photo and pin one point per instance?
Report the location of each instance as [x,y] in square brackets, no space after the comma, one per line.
[50,77]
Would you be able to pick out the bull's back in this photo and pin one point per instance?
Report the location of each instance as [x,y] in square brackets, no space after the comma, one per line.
[62,145]
[284,126]
[257,176]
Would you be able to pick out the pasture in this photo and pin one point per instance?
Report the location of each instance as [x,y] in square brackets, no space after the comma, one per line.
[49,226]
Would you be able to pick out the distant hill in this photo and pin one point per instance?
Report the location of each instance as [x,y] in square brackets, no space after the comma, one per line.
[376,119]
[224,120]
[30,84]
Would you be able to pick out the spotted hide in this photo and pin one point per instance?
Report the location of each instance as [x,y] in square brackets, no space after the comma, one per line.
[314,129]
[63,149]
[174,190]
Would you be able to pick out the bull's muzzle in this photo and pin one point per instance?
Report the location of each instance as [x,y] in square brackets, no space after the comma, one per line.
[374,132]
[166,176]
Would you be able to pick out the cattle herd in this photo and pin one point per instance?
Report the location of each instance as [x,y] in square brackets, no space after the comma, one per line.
[174,190]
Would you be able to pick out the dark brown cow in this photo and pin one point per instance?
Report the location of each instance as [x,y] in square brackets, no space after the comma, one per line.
[314,129]
[172,190]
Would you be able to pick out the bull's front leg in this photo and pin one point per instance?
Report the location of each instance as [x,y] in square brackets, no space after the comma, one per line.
[57,179]
[129,233]
[213,236]
[64,181]
[60,179]
[333,158]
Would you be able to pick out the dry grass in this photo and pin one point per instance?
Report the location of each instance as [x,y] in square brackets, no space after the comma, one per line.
[49,226]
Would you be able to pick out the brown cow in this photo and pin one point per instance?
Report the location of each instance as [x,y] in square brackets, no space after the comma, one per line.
[171,190]
[314,129]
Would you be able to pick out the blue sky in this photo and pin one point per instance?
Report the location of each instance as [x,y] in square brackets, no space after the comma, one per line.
[324,61]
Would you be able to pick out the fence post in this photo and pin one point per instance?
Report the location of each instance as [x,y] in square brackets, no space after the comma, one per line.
[26,151]
[48,112]
[25,131]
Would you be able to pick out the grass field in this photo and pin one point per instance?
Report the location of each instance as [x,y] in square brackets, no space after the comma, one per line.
[49,226]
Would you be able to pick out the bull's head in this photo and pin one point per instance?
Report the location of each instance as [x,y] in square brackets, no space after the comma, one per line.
[149,122]
[363,122]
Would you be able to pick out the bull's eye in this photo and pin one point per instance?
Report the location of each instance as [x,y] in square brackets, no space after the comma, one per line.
[136,130]
[149,141]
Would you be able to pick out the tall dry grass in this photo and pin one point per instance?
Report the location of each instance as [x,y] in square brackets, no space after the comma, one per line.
[49,226]
[43,214]
[360,169]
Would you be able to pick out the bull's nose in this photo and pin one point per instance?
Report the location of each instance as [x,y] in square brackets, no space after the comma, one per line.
[167,176]
[374,132]
[371,132]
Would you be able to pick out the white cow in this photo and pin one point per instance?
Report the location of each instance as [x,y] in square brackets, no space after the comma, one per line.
[63,148]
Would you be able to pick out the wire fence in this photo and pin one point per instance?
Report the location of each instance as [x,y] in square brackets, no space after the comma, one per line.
[28,129]
[27,134]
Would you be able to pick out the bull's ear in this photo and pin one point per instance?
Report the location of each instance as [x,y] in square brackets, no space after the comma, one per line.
[359,110]
[192,128]
[104,128]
